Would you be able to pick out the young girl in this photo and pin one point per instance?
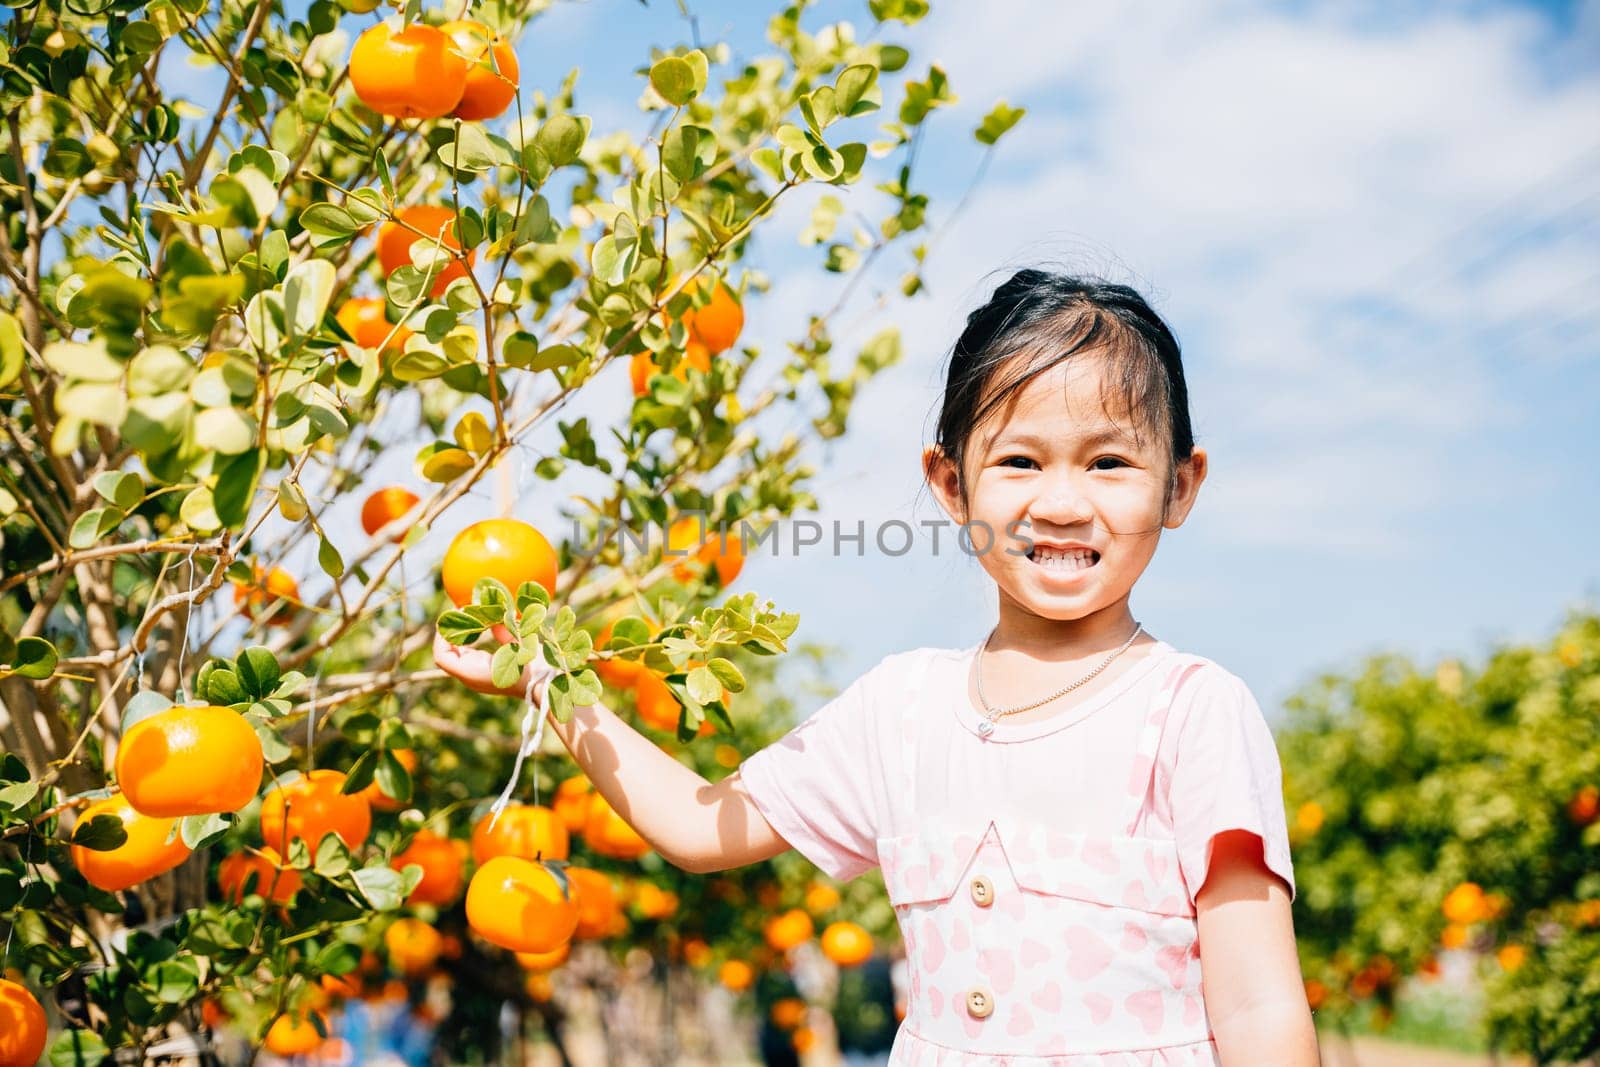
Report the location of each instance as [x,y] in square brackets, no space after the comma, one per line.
[1081,827]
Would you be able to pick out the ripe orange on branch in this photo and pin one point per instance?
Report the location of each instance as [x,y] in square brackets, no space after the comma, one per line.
[617,673]
[608,834]
[441,860]
[422,222]
[506,549]
[694,545]
[546,961]
[385,506]
[366,320]
[491,82]
[532,832]
[518,904]
[22,1025]
[597,903]
[784,932]
[846,944]
[190,761]
[417,73]
[145,854]
[736,975]
[717,323]
[413,945]
[272,880]
[571,803]
[267,591]
[293,1035]
[643,366]
[310,808]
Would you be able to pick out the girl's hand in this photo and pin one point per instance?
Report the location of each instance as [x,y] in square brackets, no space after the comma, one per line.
[473,668]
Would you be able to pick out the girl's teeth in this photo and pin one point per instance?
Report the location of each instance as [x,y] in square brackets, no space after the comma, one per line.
[1071,561]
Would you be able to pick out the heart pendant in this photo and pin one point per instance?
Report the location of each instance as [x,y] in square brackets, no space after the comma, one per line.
[985,728]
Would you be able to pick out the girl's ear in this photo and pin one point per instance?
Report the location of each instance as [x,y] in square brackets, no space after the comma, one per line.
[1185,488]
[945,481]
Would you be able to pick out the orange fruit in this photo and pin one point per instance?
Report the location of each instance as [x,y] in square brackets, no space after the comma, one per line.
[1454,936]
[413,945]
[376,797]
[571,803]
[546,961]
[608,834]
[597,903]
[1316,994]
[526,830]
[805,1039]
[736,975]
[518,904]
[643,365]
[846,944]
[421,222]
[271,879]
[266,592]
[293,1035]
[366,320]
[788,1012]
[491,84]
[346,986]
[718,323]
[145,854]
[650,901]
[190,761]
[22,1025]
[657,706]
[1465,904]
[1510,957]
[821,897]
[617,673]
[696,953]
[384,507]
[440,859]
[540,988]
[694,544]
[507,549]
[1584,805]
[784,932]
[414,74]
[312,807]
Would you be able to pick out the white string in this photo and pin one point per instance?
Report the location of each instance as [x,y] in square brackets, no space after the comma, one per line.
[188,616]
[532,735]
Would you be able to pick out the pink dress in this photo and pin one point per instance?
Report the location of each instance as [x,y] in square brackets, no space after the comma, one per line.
[1044,872]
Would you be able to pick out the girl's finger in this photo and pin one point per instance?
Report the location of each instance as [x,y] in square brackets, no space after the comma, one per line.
[472,667]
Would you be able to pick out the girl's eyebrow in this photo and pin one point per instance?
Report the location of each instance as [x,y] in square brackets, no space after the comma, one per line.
[1099,435]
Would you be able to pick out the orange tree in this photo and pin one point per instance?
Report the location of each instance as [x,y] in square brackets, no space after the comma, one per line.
[1455,810]
[378,236]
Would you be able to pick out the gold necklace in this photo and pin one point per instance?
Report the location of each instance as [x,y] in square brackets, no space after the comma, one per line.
[993,715]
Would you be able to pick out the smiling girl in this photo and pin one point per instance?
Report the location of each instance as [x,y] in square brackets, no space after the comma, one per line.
[1081,827]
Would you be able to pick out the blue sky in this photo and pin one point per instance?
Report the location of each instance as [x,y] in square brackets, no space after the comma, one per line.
[1373,228]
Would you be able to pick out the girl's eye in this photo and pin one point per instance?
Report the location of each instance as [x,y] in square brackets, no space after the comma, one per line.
[1108,459]
[1020,459]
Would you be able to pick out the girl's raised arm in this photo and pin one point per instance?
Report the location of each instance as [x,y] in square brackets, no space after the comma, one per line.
[694,824]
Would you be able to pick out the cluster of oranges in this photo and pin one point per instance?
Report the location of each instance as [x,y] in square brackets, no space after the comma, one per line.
[711,329]
[1466,905]
[185,760]
[524,897]
[461,69]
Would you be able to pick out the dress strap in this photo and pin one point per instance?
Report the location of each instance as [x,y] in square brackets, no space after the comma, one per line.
[1141,777]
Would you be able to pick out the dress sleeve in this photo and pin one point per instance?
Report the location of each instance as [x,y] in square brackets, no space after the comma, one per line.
[821,784]
[1226,776]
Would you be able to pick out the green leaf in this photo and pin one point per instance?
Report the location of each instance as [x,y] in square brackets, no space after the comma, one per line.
[997,122]
[100,834]
[383,886]
[393,778]
[78,1048]
[92,525]
[673,78]
[333,857]
[728,674]
[561,138]
[199,511]
[443,462]
[35,658]
[141,706]
[306,291]
[236,486]
[258,671]
[291,501]
[504,668]
[680,152]
[18,795]
[329,560]
[519,349]
[459,628]
[329,220]
[222,687]
[473,433]
[470,150]
[407,285]
[198,831]
[87,360]
[853,89]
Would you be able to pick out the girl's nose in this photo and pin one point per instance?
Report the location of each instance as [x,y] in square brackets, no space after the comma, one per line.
[1062,505]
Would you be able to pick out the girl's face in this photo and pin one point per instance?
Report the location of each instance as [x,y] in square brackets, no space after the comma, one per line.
[1052,467]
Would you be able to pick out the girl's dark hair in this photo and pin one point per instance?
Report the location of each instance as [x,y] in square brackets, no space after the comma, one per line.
[1047,318]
